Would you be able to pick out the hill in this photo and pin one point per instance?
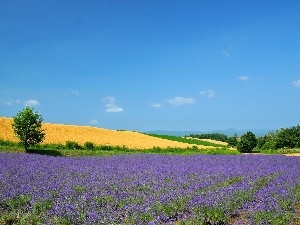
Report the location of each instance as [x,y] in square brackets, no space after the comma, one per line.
[229,132]
[60,133]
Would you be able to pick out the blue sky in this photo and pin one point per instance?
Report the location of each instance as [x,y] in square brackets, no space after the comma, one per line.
[152,64]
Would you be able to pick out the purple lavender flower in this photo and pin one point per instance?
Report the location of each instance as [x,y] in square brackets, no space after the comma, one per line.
[152,189]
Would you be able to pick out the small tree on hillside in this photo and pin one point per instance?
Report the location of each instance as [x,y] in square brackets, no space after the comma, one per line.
[27,127]
[232,141]
[247,143]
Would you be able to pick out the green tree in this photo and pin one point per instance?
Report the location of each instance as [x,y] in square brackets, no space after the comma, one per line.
[261,141]
[288,137]
[247,143]
[232,141]
[267,142]
[27,126]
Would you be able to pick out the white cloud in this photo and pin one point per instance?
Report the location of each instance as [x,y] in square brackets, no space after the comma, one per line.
[94,121]
[12,102]
[243,78]
[155,105]
[31,103]
[208,93]
[181,101]
[111,106]
[296,83]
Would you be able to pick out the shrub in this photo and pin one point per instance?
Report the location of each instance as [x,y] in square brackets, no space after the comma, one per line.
[57,146]
[156,149]
[105,147]
[7,143]
[88,145]
[72,145]
[195,147]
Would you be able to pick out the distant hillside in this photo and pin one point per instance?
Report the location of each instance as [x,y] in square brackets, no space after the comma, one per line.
[229,132]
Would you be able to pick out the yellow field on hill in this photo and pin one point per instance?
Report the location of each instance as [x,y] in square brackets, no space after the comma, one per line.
[59,134]
[210,140]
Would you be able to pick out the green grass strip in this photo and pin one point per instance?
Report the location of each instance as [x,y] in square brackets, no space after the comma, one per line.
[186,140]
[121,151]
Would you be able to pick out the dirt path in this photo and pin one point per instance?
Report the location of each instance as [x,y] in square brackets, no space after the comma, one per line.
[293,154]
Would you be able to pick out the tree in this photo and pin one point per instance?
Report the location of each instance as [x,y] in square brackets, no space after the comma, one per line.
[27,126]
[247,143]
[288,137]
[267,142]
[261,141]
[232,141]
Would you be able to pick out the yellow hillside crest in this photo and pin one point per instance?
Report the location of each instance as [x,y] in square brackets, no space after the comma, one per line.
[59,134]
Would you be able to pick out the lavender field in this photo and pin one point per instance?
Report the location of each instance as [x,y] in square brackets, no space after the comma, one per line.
[149,189]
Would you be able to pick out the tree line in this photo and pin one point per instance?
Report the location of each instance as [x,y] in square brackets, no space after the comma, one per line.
[282,138]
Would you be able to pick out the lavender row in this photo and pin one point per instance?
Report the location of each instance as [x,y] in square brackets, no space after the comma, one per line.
[150,189]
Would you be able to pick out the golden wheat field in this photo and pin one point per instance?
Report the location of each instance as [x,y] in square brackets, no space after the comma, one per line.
[210,140]
[59,134]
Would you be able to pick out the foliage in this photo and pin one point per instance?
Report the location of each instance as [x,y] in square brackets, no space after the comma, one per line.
[288,137]
[247,143]
[267,142]
[19,210]
[284,138]
[88,145]
[27,126]
[72,145]
[261,141]
[185,140]
[232,141]
[213,136]
[106,147]
[107,150]
[8,143]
